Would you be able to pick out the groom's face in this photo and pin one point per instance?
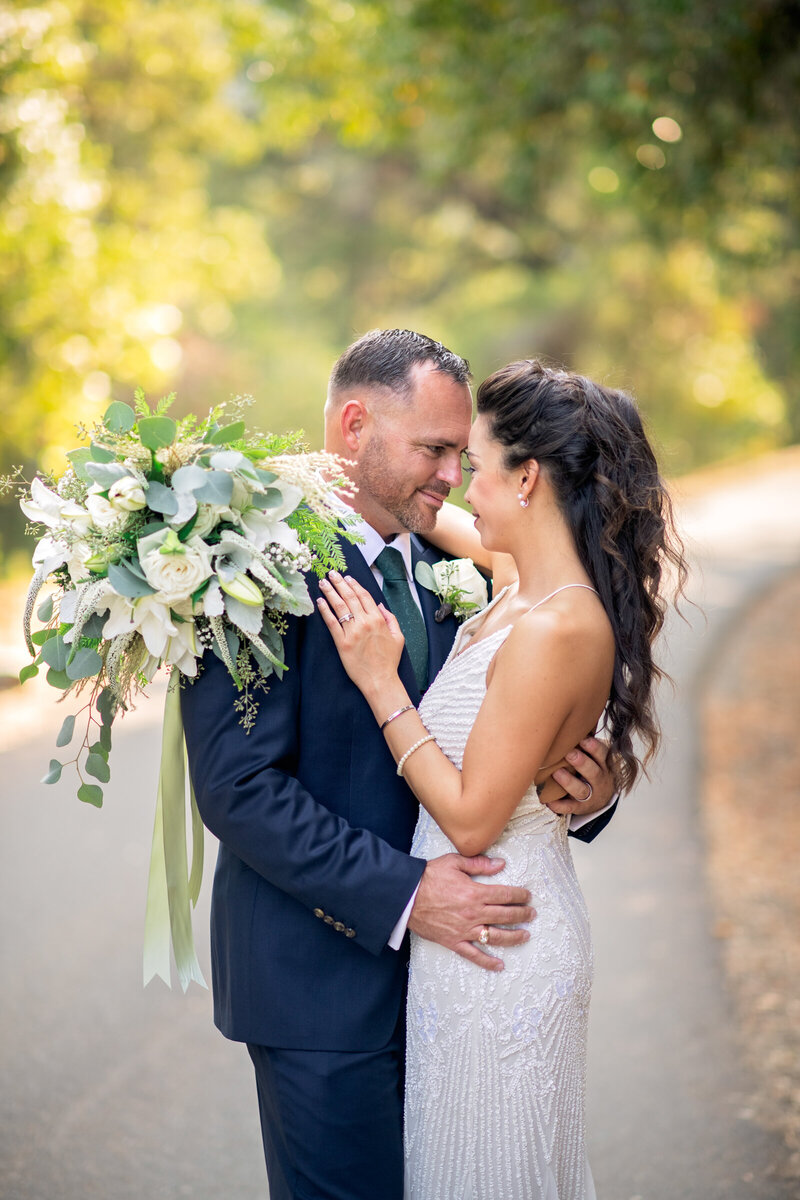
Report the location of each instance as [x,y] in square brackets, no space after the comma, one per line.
[411,456]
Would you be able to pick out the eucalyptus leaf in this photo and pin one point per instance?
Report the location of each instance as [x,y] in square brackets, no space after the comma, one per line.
[54,774]
[105,738]
[86,663]
[79,458]
[97,766]
[55,652]
[106,473]
[423,573]
[125,583]
[59,679]
[65,732]
[43,635]
[119,417]
[187,479]
[217,489]
[161,499]
[93,628]
[228,433]
[106,705]
[90,793]
[265,476]
[45,610]
[28,672]
[99,748]
[264,501]
[157,432]
[100,454]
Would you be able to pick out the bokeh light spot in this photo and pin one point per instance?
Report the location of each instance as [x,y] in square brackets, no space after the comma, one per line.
[603,179]
[651,156]
[667,129]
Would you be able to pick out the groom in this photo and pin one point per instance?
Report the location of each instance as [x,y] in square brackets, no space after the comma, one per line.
[314,886]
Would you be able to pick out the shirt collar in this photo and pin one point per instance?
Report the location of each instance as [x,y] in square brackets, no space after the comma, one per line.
[373,543]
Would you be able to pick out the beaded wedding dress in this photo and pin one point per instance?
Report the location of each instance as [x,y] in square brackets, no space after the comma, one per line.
[495,1069]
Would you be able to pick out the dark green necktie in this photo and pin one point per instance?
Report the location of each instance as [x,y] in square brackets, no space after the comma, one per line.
[399,599]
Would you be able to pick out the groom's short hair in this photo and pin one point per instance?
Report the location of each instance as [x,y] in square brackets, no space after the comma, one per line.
[385,357]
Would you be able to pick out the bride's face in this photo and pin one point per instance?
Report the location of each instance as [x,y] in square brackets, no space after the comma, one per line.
[492,492]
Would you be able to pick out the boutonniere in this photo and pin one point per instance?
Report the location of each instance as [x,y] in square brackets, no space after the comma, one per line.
[459,585]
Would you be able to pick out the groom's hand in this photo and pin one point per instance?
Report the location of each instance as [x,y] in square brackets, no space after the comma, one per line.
[588,781]
[452,909]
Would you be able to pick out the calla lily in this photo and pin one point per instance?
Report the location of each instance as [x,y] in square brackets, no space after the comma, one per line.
[243,589]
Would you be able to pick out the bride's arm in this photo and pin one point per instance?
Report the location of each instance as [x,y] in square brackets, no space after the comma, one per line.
[510,738]
[455,533]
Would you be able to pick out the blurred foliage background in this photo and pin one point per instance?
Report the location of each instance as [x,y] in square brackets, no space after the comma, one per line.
[218,196]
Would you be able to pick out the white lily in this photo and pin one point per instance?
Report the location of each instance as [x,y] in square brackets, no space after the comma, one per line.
[148,615]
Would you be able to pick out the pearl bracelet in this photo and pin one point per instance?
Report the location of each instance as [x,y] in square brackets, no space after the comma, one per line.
[410,751]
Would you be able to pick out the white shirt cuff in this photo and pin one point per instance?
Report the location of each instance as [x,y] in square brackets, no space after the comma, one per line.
[399,931]
[578,820]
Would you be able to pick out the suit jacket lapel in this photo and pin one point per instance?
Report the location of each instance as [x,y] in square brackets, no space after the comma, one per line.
[357,566]
[441,634]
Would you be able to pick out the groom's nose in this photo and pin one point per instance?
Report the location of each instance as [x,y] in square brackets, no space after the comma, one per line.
[450,469]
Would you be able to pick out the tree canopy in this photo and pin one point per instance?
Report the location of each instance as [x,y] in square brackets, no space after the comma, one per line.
[219,197]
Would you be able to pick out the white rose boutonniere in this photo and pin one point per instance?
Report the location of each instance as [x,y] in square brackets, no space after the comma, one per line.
[459,585]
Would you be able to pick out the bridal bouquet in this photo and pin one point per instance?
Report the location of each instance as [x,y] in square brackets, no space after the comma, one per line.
[166,540]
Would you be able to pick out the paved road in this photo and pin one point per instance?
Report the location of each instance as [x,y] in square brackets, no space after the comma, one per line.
[116,1093]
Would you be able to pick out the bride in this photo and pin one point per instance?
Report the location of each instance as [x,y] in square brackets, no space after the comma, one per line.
[565,483]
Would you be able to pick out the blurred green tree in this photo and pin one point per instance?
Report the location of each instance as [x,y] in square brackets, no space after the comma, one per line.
[219,198]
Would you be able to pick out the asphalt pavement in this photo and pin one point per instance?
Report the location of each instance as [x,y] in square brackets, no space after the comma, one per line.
[112,1092]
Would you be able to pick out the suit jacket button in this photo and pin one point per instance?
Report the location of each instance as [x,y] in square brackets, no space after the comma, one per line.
[349,933]
[318,912]
[328,920]
[338,926]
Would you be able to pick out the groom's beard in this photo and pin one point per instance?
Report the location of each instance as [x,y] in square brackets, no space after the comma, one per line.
[380,477]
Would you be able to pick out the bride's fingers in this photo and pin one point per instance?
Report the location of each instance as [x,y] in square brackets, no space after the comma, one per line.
[354,595]
[336,602]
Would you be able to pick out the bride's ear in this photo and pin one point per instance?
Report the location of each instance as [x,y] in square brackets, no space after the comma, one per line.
[529,474]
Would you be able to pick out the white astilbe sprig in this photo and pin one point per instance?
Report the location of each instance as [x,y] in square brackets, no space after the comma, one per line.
[311,472]
[122,665]
[36,585]
[218,630]
[88,596]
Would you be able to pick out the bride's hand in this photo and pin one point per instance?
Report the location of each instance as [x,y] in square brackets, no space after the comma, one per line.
[366,634]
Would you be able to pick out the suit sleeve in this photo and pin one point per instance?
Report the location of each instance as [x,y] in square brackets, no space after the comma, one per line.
[590,830]
[249,798]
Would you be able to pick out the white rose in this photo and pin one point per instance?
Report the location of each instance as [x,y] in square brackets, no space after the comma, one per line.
[127,495]
[103,512]
[176,569]
[208,517]
[461,574]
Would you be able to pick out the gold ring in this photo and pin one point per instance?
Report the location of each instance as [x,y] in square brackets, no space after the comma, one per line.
[483,936]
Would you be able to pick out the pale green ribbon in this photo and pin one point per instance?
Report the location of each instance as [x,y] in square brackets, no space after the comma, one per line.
[171,890]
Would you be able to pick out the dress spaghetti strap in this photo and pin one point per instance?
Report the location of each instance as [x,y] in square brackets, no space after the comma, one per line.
[562,589]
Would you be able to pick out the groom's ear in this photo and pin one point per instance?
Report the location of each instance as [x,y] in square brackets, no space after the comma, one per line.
[352,420]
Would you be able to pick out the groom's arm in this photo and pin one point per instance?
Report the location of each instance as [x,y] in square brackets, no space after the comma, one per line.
[587,793]
[249,798]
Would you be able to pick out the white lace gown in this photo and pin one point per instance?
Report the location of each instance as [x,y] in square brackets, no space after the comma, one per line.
[496,1062]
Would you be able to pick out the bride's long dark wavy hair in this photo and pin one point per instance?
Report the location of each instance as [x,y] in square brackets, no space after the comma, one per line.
[592,445]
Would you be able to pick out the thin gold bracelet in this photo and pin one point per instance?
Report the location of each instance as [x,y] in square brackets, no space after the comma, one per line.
[400,711]
[410,751]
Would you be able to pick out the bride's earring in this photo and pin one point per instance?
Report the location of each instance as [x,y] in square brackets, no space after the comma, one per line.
[523,500]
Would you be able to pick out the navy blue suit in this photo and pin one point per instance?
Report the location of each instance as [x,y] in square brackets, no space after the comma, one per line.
[313,870]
